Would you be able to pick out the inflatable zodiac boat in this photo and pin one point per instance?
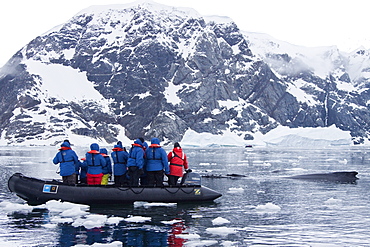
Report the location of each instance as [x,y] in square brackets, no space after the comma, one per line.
[36,191]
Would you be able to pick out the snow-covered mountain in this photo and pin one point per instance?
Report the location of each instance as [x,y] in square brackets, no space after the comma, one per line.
[124,71]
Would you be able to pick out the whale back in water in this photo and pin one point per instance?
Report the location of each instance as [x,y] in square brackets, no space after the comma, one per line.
[347,177]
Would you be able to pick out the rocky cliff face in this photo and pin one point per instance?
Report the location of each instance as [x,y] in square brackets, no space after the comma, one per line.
[332,87]
[151,70]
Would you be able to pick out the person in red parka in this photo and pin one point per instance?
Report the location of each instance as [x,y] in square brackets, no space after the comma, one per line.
[178,162]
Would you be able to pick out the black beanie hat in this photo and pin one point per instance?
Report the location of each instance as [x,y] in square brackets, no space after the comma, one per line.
[177,145]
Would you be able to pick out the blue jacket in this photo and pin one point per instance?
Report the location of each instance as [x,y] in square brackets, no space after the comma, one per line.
[119,157]
[67,159]
[156,157]
[108,168]
[136,155]
[94,160]
[81,169]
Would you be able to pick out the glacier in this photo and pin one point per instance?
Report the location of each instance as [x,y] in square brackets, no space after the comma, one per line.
[282,136]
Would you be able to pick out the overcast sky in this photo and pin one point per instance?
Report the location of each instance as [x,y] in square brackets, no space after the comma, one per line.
[309,23]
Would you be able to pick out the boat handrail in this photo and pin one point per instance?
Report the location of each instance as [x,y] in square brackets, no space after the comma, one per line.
[180,188]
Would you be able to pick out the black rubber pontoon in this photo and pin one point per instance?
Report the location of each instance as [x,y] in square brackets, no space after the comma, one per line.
[36,191]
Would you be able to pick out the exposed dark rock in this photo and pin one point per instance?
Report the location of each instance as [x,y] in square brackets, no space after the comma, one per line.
[166,73]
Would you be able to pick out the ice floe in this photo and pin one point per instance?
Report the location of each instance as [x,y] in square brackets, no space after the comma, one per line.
[70,213]
[137,219]
[222,230]
[13,207]
[153,204]
[268,208]
[113,244]
[220,221]
[235,190]
[171,222]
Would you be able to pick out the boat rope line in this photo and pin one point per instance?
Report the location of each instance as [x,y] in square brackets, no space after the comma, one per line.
[137,192]
[129,188]
[180,188]
[122,189]
[169,191]
[172,192]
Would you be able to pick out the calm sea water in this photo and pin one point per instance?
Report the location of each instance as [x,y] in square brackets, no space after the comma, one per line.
[261,209]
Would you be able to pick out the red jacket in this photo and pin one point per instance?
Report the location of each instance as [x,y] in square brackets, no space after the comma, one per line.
[178,162]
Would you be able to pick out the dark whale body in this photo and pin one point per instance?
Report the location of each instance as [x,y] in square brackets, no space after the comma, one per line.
[344,177]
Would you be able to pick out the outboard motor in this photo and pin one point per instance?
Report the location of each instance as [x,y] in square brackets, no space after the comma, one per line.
[191,178]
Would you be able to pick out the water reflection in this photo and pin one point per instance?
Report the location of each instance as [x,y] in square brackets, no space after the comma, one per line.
[309,213]
[131,234]
[140,236]
[176,229]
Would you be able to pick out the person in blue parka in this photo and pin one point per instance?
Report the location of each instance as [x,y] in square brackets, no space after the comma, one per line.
[95,165]
[156,163]
[81,171]
[67,160]
[144,176]
[119,156]
[107,170]
[135,162]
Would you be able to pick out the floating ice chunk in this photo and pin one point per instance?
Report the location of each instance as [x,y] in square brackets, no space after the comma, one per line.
[57,206]
[154,204]
[160,204]
[268,208]
[344,161]
[235,190]
[223,231]
[113,244]
[60,220]
[170,222]
[297,169]
[333,201]
[201,243]
[90,221]
[114,220]
[188,236]
[139,204]
[15,207]
[49,226]
[138,219]
[195,216]
[229,243]
[28,163]
[204,164]
[73,212]
[261,163]
[220,221]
